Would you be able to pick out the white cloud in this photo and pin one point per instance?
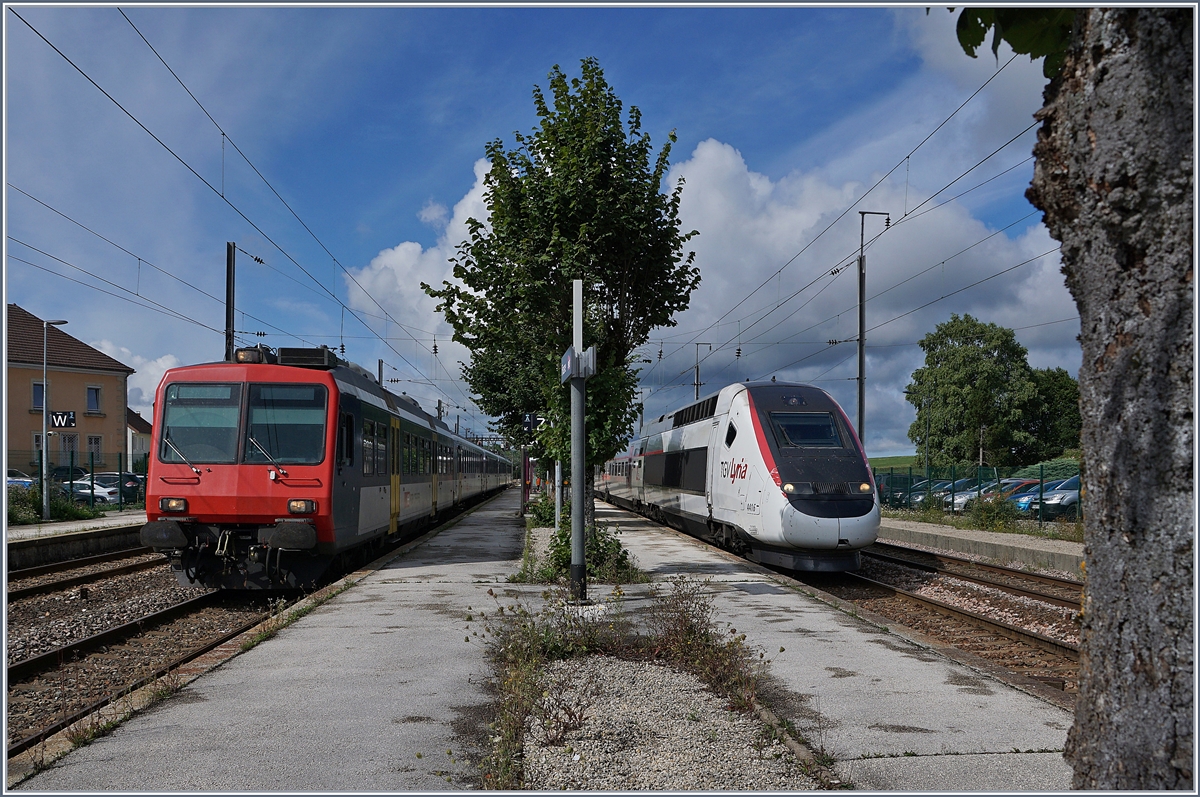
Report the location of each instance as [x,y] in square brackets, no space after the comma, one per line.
[141,385]
[434,214]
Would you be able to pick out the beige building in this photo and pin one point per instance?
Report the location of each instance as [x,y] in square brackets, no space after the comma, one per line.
[139,437]
[86,398]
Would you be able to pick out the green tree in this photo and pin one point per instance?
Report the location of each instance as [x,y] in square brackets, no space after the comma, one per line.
[1114,174]
[580,197]
[1054,417]
[975,387]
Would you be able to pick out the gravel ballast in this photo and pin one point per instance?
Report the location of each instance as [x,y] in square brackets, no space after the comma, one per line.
[647,726]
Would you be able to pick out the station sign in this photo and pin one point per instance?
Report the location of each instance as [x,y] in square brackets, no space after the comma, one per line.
[577,365]
[62,420]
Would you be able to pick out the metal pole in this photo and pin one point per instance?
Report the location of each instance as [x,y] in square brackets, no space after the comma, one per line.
[862,317]
[120,481]
[698,345]
[557,494]
[578,454]
[45,415]
[230,250]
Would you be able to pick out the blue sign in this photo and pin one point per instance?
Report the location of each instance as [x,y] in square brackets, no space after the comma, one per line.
[62,420]
[569,367]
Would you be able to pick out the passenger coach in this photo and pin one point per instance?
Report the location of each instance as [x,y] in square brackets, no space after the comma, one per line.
[266,471]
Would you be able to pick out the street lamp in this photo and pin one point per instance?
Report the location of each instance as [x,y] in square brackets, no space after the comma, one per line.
[45,404]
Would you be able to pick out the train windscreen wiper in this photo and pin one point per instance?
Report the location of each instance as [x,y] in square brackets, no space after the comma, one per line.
[167,440]
[270,458]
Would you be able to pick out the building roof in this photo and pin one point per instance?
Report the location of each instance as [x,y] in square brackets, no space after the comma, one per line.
[25,346]
[136,422]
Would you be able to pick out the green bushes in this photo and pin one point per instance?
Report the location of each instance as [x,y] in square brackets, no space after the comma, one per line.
[25,507]
[995,514]
[542,511]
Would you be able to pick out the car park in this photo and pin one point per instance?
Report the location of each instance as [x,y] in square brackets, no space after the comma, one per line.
[991,491]
[1023,498]
[919,492]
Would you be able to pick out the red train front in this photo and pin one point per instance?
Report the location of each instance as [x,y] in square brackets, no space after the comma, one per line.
[240,483]
[266,471]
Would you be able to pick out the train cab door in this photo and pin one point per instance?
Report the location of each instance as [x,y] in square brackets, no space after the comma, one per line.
[394,470]
[714,468]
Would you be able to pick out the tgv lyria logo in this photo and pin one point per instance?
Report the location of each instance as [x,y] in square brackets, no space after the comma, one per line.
[733,470]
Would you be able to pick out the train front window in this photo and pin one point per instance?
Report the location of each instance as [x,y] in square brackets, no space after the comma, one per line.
[287,422]
[200,423]
[806,430]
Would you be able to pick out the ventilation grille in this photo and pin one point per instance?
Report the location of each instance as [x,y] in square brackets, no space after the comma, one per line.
[308,358]
[831,488]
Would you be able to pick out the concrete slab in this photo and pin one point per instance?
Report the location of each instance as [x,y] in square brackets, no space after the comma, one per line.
[1007,773]
[375,690]
[855,690]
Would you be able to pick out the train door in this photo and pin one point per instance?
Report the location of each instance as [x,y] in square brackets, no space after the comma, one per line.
[712,477]
[435,462]
[394,468]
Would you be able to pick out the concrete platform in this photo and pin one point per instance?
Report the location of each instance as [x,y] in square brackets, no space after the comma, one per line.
[1019,549]
[347,697]
[112,519]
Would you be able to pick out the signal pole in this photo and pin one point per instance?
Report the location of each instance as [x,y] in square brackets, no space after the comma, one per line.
[230,253]
[698,345]
[862,316]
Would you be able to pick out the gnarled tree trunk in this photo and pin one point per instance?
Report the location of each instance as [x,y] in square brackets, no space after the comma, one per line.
[1114,175]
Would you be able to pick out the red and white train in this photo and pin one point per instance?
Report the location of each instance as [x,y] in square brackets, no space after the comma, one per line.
[267,470]
[772,471]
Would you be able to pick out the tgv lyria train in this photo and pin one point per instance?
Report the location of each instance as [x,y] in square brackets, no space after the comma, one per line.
[772,471]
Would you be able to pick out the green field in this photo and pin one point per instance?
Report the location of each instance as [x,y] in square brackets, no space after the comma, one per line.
[895,462]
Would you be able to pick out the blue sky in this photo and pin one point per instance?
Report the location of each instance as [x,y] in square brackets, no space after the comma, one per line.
[371,123]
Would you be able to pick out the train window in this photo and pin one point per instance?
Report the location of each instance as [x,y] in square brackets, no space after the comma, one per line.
[381,448]
[806,429]
[730,434]
[346,440]
[200,423]
[368,447]
[285,424]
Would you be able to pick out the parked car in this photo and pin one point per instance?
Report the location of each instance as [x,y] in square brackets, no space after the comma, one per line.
[1030,493]
[990,490]
[62,473]
[128,482]
[1061,502]
[18,478]
[82,492]
[916,496]
[894,488]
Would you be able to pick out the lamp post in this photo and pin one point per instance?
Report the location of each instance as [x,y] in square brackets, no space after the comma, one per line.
[45,412]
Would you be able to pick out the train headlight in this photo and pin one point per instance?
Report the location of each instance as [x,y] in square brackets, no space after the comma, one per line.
[248,356]
[302,506]
[861,488]
[798,488]
[172,504]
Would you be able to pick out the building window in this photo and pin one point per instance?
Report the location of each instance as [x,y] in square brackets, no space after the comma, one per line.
[39,395]
[96,445]
[68,443]
[93,399]
[37,441]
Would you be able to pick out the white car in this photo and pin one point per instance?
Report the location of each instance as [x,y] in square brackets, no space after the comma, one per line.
[81,491]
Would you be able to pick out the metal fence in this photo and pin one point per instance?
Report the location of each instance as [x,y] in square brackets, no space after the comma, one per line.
[78,469]
[957,487]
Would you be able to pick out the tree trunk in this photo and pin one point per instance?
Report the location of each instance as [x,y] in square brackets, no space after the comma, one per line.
[1114,176]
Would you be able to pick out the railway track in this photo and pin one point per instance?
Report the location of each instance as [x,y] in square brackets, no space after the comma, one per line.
[55,689]
[966,617]
[78,572]
[1050,589]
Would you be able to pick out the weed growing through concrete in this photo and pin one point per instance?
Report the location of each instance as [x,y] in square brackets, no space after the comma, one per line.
[279,619]
[607,560]
[680,630]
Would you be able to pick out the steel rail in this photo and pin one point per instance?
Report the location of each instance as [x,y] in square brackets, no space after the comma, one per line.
[19,747]
[987,582]
[1037,640]
[53,658]
[1012,571]
[86,578]
[57,567]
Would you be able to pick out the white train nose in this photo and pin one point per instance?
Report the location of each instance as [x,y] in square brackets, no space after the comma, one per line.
[808,532]
[819,533]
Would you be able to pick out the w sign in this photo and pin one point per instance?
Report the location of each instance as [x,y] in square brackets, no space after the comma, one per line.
[62,420]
